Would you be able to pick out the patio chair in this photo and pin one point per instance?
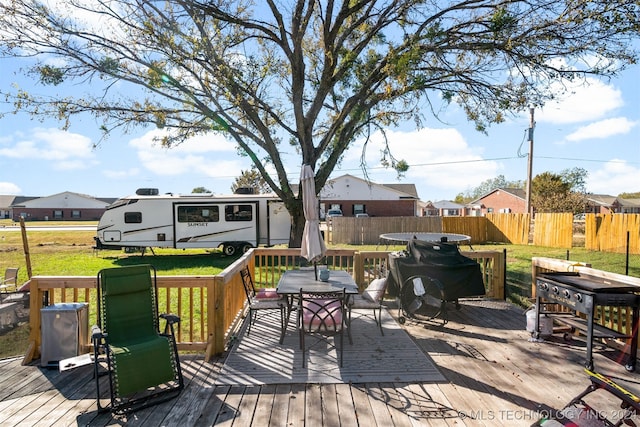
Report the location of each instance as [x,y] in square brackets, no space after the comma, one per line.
[259,293]
[322,314]
[10,281]
[260,300]
[142,363]
[370,299]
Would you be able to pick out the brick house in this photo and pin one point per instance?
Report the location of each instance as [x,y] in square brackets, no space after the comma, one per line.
[66,206]
[605,204]
[355,195]
[500,200]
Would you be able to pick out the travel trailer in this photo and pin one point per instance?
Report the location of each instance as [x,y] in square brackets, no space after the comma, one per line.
[235,222]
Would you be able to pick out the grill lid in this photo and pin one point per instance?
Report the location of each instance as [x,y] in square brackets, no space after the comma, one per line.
[591,284]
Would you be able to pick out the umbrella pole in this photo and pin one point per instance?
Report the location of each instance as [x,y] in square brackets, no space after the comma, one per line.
[315,268]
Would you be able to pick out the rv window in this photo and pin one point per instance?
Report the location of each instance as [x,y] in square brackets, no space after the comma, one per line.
[198,214]
[238,213]
[133,217]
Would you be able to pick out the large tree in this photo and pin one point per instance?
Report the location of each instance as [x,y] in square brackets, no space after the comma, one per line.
[309,76]
[563,192]
[251,179]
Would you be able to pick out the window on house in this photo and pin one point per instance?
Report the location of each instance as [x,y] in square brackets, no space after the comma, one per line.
[57,214]
[359,209]
[133,217]
[75,214]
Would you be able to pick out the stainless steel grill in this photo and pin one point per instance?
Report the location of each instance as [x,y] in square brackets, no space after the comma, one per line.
[583,294]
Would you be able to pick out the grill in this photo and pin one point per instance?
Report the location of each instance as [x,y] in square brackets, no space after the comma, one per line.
[583,294]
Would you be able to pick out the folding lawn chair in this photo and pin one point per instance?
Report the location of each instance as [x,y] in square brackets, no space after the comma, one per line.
[142,363]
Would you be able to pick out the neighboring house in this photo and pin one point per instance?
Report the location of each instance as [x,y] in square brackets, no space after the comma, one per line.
[605,204]
[500,200]
[448,208]
[64,206]
[427,209]
[5,206]
[601,203]
[630,205]
[355,195]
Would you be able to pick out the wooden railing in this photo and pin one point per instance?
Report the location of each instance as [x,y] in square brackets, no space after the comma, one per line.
[211,308]
[615,318]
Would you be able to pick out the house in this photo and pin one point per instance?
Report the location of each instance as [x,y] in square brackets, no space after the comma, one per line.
[500,200]
[448,208]
[5,206]
[605,204]
[355,195]
[427,209]
[64,206]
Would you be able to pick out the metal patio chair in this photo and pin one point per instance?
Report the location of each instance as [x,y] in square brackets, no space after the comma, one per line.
[322,314]
[260,299]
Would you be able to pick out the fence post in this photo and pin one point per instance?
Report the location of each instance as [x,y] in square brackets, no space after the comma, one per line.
[35,303]
[215,317]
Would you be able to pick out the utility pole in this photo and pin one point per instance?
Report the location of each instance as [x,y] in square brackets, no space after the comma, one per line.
[532,124]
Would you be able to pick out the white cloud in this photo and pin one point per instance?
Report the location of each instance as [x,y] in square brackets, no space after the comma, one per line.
[199,156]
[580,102]
[9,188]
[603,129]
[617,176]
[48,144]
[438,158]
[121,174]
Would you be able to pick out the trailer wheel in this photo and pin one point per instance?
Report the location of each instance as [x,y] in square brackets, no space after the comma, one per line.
[229,250]
[246,247]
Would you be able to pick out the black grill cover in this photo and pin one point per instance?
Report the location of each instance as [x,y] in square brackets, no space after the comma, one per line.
[460,276]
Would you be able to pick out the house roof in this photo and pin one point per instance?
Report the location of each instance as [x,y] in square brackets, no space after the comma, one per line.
[9,200]
[410,189]
[516,192]
[6,201]
[602,199]
[403,191]
[446,204]
[19,200]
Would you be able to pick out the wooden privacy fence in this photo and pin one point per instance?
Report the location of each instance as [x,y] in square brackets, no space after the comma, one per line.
[211,308]
[367,231]
[508,228]
[603,232]
[501,228]
[553,230]
[609,232]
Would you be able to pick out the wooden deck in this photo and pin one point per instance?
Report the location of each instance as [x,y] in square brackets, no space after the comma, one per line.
[495,376]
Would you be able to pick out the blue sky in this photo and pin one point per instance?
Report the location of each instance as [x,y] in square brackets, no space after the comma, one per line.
[594,128]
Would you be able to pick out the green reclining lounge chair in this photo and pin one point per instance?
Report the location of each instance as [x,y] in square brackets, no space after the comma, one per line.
[142,363]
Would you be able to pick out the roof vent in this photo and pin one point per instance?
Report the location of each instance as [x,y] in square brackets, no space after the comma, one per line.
[147,192]
[245,190]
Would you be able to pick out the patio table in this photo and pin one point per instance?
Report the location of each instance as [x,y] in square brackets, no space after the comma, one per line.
[292,281]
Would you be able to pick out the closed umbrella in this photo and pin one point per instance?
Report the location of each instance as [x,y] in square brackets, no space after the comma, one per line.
[312,247]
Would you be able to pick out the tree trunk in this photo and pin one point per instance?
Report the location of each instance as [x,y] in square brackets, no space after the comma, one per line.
[297,227]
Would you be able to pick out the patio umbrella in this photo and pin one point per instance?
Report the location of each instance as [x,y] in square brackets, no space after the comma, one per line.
[312,247]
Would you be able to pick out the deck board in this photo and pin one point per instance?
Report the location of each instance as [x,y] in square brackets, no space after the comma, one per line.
[494,376]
